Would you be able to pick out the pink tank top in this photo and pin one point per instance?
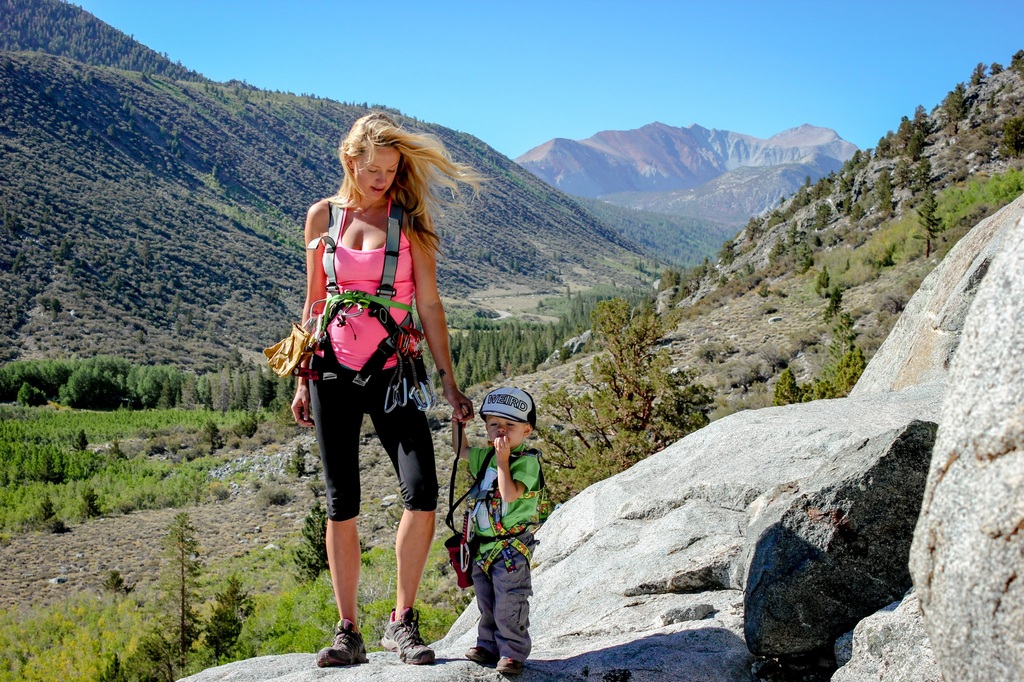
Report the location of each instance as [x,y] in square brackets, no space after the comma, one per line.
[356,340]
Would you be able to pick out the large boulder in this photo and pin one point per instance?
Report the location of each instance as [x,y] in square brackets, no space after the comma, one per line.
[623,567]
[891,646]
[967,558]
[832,548]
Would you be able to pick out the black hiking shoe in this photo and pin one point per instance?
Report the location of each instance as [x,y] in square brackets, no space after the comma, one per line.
[403,635]
[348,647]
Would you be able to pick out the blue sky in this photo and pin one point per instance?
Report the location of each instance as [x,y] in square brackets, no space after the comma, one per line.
[518,73]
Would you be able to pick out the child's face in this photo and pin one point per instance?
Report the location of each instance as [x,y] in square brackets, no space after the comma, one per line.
[516,432]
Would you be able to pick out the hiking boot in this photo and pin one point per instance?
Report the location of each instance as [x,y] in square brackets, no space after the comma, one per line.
[509,666]
[348,647]
[478,654]
[403,635]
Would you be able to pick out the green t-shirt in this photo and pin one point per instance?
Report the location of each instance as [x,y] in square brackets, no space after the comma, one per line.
[525,468]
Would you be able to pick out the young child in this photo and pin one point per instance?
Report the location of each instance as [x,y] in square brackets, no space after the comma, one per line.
[503,507]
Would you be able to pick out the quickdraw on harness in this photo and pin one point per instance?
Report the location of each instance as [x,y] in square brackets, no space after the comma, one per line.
[402,339]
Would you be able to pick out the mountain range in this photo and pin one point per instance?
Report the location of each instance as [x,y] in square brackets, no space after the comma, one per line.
[699,172]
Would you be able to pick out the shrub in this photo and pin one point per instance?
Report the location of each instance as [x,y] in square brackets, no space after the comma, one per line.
[273,494]
[247,425]
[31,396]
[297,462]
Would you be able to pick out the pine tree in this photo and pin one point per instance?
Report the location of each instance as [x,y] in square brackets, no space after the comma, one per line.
[168,647]
[232,607]
[634,405]
[787,391]
[883,190]
[311,555]
[931,223]
[1013,137]
[955,106]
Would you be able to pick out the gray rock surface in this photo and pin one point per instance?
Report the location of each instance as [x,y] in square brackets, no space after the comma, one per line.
[967,558]
[891,646]
[831,549]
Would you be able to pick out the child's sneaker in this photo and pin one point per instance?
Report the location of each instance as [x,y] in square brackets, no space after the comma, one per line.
[509,666]
[348,647]
[403,635]
[478,654]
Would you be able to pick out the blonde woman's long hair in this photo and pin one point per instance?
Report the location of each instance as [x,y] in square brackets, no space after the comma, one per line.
[423,169]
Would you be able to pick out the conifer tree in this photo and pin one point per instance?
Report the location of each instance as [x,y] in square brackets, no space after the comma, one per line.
[955,106]
[883,190]
[232,607]
[978,74]
[167,647]
[311,555]
[787,391]
[931,223]
[1013,137]
[634,405]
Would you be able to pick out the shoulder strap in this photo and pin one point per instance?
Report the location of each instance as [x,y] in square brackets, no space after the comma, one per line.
[388,345]
[391,247]
[449,519]
[394,241]
[330,242]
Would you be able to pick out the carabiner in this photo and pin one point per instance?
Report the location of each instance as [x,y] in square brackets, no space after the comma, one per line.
[423,397]
[398,389]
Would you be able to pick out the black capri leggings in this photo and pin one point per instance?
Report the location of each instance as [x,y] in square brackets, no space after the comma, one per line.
[338,406]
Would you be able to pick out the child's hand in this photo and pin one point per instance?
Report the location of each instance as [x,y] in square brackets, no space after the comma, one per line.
[501,448]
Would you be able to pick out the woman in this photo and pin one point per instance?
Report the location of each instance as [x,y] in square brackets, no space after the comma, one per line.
[383,164]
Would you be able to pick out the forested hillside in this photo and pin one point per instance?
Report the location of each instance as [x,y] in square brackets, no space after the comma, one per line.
[160,219]
[681,240]
[60,28]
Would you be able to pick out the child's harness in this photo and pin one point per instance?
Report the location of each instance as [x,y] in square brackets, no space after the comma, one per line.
[504,538]
[403,339]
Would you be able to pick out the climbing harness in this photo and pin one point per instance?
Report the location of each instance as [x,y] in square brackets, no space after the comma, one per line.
[402,340]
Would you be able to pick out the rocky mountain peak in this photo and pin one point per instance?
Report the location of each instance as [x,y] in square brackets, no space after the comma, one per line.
[661,158]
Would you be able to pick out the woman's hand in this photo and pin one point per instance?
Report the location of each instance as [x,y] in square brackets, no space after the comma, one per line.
[300,405]
[462,407]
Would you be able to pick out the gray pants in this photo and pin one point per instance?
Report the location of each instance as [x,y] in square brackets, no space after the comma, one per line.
[503,600]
